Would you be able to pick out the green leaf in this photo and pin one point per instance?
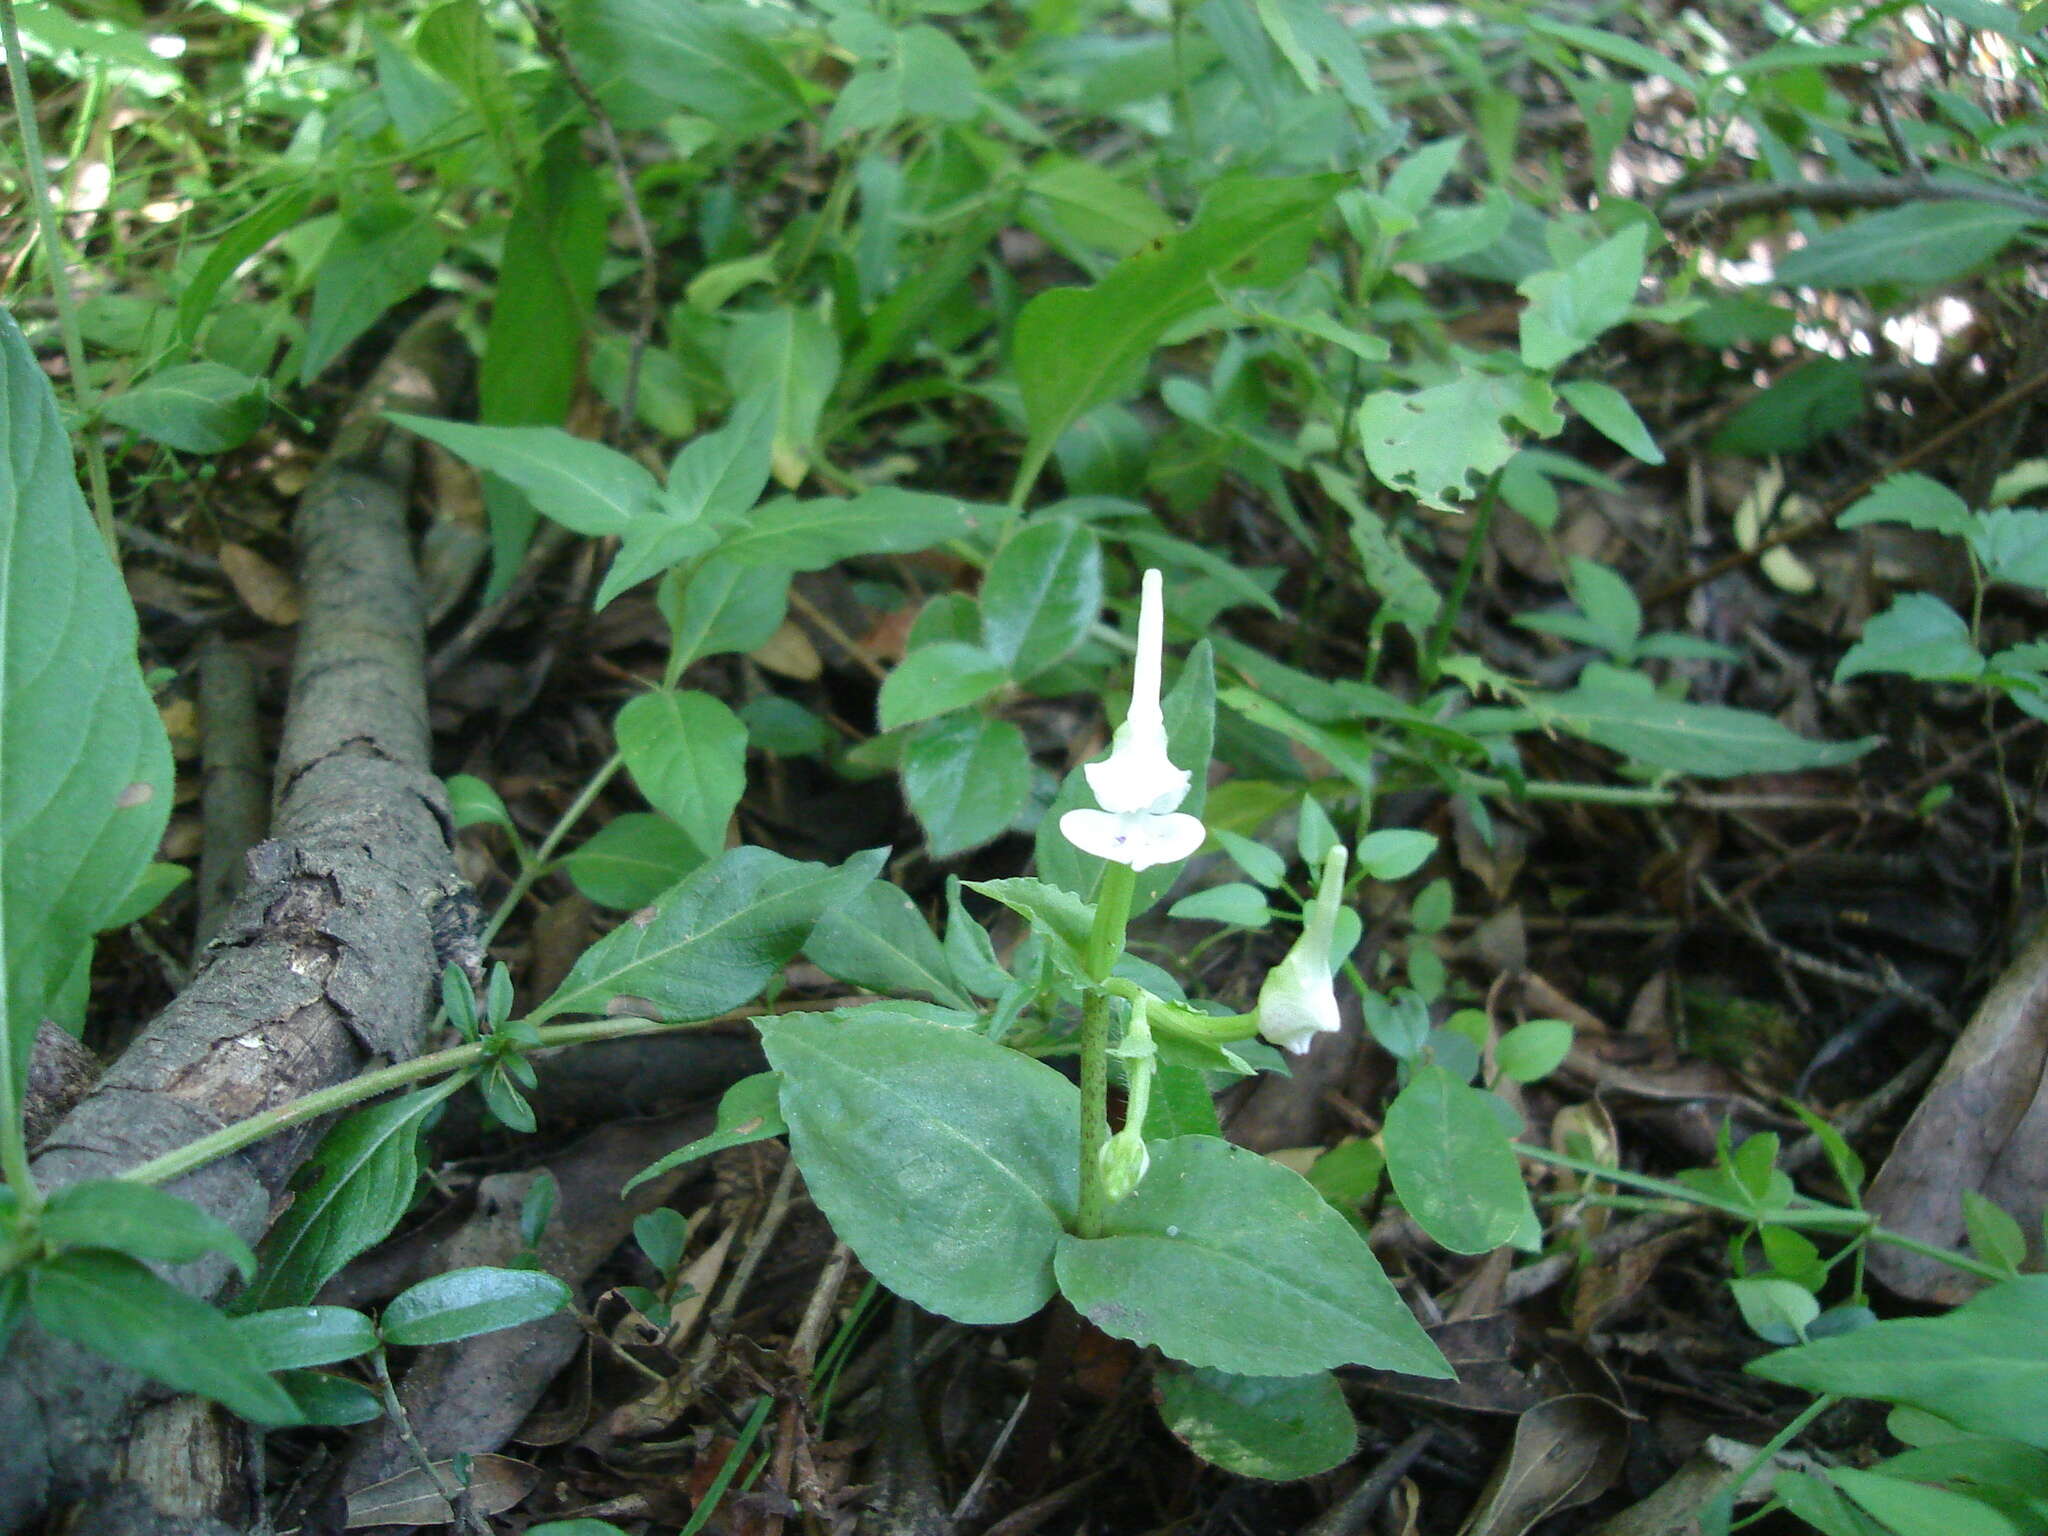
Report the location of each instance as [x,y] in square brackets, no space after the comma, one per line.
[382,254]
[632,859]
[1242,906]
[466,1302]
[322,1397]
[1571,305]
[119,1308]
[473,803]
[1919,636]
[1274,1427]
[349,1195]
[1607,408]
[85,769]
[720,475]
[1708,740]
[1224,1259]
[582,485]
[1915,501]
[1995,1237]
[1453,1165]
[647,58]
[790,357]
[1063,919]
[194,408]
[970,953]
[1077,201]
[454,40]
[292,1338]
[713,941]
[1913,1509]
[1918,245]
[1776,1310]
[1439,444]
[936,679]
[927,74]
[1125,315]
[1981,1366]
[575,1528]
[946,1162]
[1041,596]
[879,940]
[688,754]
[2012,542]
[1394,854]
[271,217]
[156,881]
[721,606]
[967,778]
[1813,401]
[750,1111]
[1534,1050]
[810,535]
[1615,47]
[141,1221]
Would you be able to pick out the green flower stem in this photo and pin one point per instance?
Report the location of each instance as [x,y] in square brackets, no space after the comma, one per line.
[14,1164]
[1209,1028]
[461,1058]
[1468,564]
[1775,1444]
[1105,944]
[543,856]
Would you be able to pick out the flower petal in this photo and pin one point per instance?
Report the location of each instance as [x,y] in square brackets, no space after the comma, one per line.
[1140,839]
[1297,1002]
[1138,775]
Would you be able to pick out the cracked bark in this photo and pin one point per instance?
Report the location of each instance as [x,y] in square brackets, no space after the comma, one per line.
[328,960]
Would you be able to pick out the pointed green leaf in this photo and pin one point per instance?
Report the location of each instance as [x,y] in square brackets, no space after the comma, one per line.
[139,1220]
[967,778]
[688,753]
[582,485]
[466,1302]
[1278,1428]
[879,940]
[1452,1163]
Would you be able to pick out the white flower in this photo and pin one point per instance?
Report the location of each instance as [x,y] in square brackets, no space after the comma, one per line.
[1140,839]
[1298,1001]
[1137,776]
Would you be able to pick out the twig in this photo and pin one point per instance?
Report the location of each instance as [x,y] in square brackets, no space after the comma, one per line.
[234,786]
[1893,192]
[552,539]
[1349,1515]
[461,1507]
[720,1322]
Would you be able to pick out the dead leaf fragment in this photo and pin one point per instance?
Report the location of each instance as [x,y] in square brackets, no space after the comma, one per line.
[265,591]
[496,1484]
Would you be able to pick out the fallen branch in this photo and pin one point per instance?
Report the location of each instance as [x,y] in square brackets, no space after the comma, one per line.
[329,959]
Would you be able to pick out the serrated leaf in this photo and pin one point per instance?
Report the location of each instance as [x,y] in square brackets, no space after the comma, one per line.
[1915,501]
[1210,1221]
[85,768]
[466,1302]
[1919,636]
[714,940]
[1439,444]
[946,1162]
[2013,544]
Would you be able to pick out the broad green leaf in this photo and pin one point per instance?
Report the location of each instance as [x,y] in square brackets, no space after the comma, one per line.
[937,679]
[713,941]
[1918,245]
[465,1302]
[582,485]
[1439,444]
[1995,1236]
[688,753]
[879,940]
[720,475]
[1241,905]
[2012,543]
[1571,305]
[1708,740]
[945,1161]
[1085,202]
[1452,1163]
[322,1397]
[750,1111]
[721,606]
[473,803]
[349,1195]
[194,408]
[1394,853]
[646,58]
[1224,1259]
[454,40]
[119,1308]
[1914,500]
[1813,401]
[139,1220]
[1278,1428]
[1533,1050]
[292,1338]
[810,535]
[632,859]
[1041,595]
[926,74]
[970,953]
[156,881]
[575,1528]
[967,778]
[1607,408]
[85,769]
[789,357]
[651,545]
[1125,315]
[1063,919]
[1914,1509]
[382,254]
[1919,636]
[1777,1311]
[1613,46]
[1608,601]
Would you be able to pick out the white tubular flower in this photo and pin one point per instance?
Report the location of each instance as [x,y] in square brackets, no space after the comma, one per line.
[1137,776]
[1298,1001]
[1137,838]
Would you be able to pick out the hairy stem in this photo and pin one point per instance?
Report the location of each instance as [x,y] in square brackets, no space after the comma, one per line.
[1105,944]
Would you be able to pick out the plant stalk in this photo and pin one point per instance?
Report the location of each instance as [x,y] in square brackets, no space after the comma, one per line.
[1105,945]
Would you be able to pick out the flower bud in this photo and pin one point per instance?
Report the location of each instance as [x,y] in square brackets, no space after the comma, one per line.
[1298,1000]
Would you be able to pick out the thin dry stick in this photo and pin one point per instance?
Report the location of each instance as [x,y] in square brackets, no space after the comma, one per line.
[720,1322]
[462,1507]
